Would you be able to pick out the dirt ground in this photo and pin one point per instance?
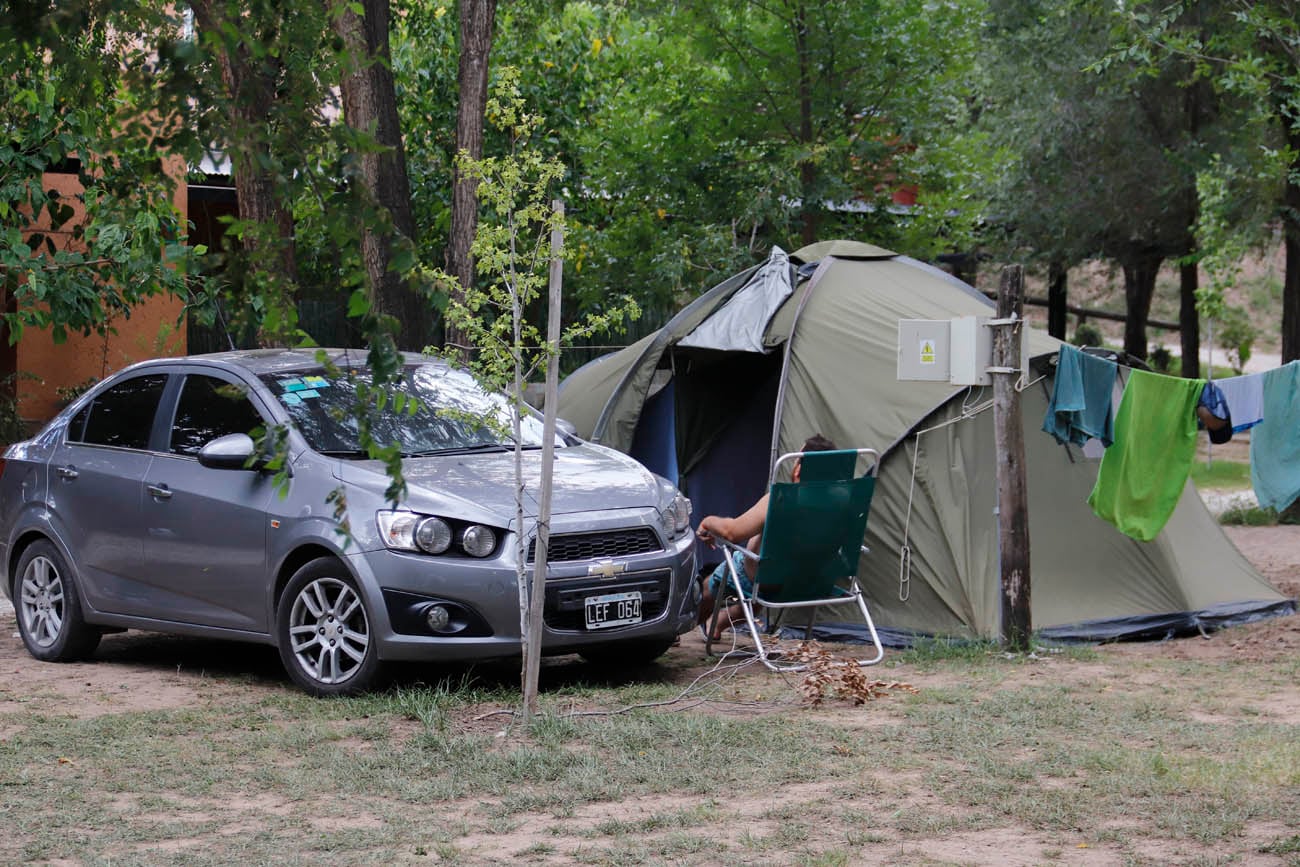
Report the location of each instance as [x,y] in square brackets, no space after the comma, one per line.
[146,672]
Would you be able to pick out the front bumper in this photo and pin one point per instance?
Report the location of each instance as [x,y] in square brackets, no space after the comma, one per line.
[484,598]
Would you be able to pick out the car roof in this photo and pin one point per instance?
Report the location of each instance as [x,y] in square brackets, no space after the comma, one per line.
[260,362]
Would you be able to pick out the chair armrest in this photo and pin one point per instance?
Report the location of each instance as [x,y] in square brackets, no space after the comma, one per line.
[732,546]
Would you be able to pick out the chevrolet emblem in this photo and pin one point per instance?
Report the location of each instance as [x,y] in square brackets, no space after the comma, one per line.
[607,569]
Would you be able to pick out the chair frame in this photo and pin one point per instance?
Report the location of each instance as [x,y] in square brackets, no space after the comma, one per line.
[852,596]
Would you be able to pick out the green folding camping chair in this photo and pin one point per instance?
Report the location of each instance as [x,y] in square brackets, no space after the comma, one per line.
[812,539]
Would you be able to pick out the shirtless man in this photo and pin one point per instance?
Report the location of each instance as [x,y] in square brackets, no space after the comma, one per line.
[747,528]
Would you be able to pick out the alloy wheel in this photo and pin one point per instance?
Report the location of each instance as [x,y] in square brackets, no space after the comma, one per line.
[42,604]
[329,631]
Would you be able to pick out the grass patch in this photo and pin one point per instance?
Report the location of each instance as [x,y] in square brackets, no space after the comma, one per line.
[1221,475]
[1165,750]
[1249,516]
[929,651]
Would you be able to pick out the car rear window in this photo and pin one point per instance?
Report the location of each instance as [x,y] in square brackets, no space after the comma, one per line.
[122,416]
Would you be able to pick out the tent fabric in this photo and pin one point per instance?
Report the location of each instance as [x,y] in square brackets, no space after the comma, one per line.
[738,325]
[838,377]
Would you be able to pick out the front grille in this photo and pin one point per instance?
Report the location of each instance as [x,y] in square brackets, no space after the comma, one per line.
[566,599]
[594,546]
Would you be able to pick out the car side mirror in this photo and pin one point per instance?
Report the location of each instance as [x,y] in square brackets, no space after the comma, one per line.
[567,432]
[230,452]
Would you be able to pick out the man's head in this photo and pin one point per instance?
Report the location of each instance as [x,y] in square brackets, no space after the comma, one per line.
[817,443]
[814,443]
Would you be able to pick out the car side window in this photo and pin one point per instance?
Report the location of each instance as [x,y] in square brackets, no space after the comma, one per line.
[209,408]
[122,416]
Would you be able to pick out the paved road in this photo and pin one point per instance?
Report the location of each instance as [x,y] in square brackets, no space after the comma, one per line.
[1257,363]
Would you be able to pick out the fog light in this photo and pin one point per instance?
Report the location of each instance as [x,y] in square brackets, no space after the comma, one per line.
[438,618]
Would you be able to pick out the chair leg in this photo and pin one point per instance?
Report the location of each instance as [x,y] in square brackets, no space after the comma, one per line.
[719,606]
[871,628]
[812,618]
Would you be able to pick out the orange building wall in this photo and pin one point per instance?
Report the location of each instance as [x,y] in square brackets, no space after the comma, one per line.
[154,329]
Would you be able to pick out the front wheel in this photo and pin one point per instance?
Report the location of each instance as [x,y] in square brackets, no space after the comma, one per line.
[49,608]
[323,629]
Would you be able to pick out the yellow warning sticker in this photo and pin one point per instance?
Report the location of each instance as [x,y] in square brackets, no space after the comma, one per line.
[927,352]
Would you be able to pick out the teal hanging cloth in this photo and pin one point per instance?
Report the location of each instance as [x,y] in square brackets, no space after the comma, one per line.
[1143,473]
[1081,398]
[1275,441]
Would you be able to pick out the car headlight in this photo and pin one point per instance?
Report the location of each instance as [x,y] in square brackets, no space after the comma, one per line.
[478,541]
[398,529]
[433,535]
[430,534]
[675,518]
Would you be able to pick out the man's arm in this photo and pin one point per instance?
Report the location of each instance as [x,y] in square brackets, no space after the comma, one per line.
[738,529]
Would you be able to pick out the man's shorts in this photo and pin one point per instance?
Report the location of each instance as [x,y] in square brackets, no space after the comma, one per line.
[720,580]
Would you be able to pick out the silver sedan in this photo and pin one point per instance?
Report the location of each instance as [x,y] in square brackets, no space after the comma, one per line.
[149,504]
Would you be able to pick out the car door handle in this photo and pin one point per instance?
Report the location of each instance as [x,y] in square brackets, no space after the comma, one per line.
[68,472]
[160,492]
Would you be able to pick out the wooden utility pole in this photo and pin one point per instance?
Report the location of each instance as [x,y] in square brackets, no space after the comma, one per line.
[1009,432]
[537,601]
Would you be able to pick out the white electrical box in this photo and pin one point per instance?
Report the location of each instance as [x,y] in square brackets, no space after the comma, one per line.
[958,351]
[923,349]
[971,351]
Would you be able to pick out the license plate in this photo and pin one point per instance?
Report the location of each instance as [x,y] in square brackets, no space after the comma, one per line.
[613,609]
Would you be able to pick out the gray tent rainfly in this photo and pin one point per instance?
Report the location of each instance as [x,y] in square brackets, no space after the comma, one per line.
[760,362]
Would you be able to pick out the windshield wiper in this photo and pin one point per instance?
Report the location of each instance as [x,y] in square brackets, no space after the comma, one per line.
[458,450]
[355,454]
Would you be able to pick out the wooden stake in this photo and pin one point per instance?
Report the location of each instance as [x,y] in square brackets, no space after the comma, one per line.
[1013,512]
[537,599]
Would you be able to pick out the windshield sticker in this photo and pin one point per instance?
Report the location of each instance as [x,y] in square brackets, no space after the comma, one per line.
[308,394]
[294,384]
[316,381]
[290,399]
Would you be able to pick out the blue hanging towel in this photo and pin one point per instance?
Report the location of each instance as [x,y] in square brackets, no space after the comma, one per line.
[1245,398]
[1275,443]
[1080,408]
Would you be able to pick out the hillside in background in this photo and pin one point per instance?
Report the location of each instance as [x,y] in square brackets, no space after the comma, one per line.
[1099,285]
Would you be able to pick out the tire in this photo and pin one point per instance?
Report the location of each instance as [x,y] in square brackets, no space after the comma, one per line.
[324,633]
[48,606]
[627,654]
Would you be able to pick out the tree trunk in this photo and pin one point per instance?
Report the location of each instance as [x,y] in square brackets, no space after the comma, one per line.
[370,107]
[807,169]
[250,85]
[477,21]
[1140,270]
[1291,236]
[1189,320]
[1057,299]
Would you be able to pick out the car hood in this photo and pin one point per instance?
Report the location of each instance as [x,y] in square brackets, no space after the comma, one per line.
[481,486]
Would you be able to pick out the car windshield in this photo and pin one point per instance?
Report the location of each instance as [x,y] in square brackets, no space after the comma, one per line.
[452,414]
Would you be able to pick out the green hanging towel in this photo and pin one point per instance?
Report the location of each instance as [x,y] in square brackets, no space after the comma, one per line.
[1144,472]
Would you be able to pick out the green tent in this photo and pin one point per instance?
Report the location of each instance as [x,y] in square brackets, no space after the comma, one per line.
[808,343]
